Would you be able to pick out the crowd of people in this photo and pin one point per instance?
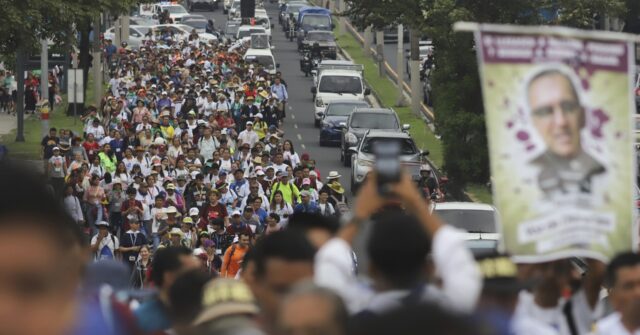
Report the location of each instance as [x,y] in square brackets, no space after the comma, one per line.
[182,208]
[186,149]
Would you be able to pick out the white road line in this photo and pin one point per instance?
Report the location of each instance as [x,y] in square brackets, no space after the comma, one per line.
[304,147]
[295,126]
[290,108]
[293,117]
[299,137]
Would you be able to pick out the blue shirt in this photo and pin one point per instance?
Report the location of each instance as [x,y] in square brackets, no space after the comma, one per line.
[310,208]
[152,316]
[280,91]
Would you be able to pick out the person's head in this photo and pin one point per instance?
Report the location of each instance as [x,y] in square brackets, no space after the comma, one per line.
[623,280]
[556,112]
[185,295]
[310,309]
[145,252]
[53,132]
[257,203]
[214,196]
[272,219]
[134,224]
[168,264]
[305,196]
[323,196]
[248,212]
[40,256]
[317,228]
[244,239]
[409,247]
[282,259]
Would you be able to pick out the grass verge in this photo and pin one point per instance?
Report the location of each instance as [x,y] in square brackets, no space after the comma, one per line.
[385,90]
[30,148]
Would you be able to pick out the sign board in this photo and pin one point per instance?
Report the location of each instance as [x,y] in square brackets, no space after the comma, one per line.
[75,85]
[559,107]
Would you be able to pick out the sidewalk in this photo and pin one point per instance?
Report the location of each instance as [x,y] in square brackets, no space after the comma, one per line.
[7,124]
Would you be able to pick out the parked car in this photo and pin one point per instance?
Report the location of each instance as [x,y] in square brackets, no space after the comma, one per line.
[200,25]
[193,5]
[142,21]
[360,121]
[136,35]
[478,220]
[363,158]
[335,119]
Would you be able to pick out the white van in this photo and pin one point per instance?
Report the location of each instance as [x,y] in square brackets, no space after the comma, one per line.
[263,57]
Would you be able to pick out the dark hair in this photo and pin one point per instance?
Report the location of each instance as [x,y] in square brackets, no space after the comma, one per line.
[185,296]
[288,245]
[166,260]
[307,221]
[398,248]
[275,216]
[623,260]
[29,202]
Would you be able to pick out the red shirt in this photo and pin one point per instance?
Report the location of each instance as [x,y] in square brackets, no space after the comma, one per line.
[92,149]
[211,212]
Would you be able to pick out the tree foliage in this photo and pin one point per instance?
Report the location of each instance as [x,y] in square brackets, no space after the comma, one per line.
[26,22]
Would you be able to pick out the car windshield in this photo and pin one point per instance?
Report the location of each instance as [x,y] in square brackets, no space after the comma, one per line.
[406,145]
[343,109]
[245,33]
[263,21]
[471,220]
[264,60]
[340,84]
[196,24]
[316,20]
[320,36]
[176,10]
[374,121]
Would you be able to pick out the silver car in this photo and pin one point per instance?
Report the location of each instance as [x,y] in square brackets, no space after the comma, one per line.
[363,158]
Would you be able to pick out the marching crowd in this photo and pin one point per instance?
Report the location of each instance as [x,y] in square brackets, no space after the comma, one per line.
[183,194]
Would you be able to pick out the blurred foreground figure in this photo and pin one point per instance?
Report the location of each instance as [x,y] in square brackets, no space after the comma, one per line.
[310,309]
[623,279]
[40,257]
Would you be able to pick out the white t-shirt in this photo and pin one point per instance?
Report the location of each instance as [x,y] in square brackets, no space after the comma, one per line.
[612,324]
[250,137]
[554,317]
[107,247]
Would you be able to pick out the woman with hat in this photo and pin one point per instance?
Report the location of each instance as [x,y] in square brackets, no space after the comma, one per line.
[337,198]
[260,126]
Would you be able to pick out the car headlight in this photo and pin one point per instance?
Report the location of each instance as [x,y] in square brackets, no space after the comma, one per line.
[319,102]
[351,138]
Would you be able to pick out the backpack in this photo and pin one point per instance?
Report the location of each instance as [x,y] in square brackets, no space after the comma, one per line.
[341,207]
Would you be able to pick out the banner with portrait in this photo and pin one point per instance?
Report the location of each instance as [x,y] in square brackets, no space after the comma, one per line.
[559,105]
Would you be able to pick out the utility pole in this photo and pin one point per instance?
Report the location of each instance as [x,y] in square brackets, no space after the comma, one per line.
[414,64]
[44,70]
[20,57]
[367,41]
[96,66]
[400,101]
[343,20]
[380,51]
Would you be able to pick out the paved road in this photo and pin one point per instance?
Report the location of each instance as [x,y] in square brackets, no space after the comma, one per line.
[299,122]
[298,125]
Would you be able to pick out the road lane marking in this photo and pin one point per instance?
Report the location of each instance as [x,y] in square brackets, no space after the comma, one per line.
[304,147]
[293,117]
[299,137]
[295,126]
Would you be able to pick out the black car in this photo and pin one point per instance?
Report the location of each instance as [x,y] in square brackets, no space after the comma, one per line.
[363,119]
[193,5]
[325,39]
[335,118]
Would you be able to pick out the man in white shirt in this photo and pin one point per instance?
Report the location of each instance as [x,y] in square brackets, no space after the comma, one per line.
[248,135]
[545,303]
[623,278]
[207,144]
[104,245]
[96,129]
[398,249]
